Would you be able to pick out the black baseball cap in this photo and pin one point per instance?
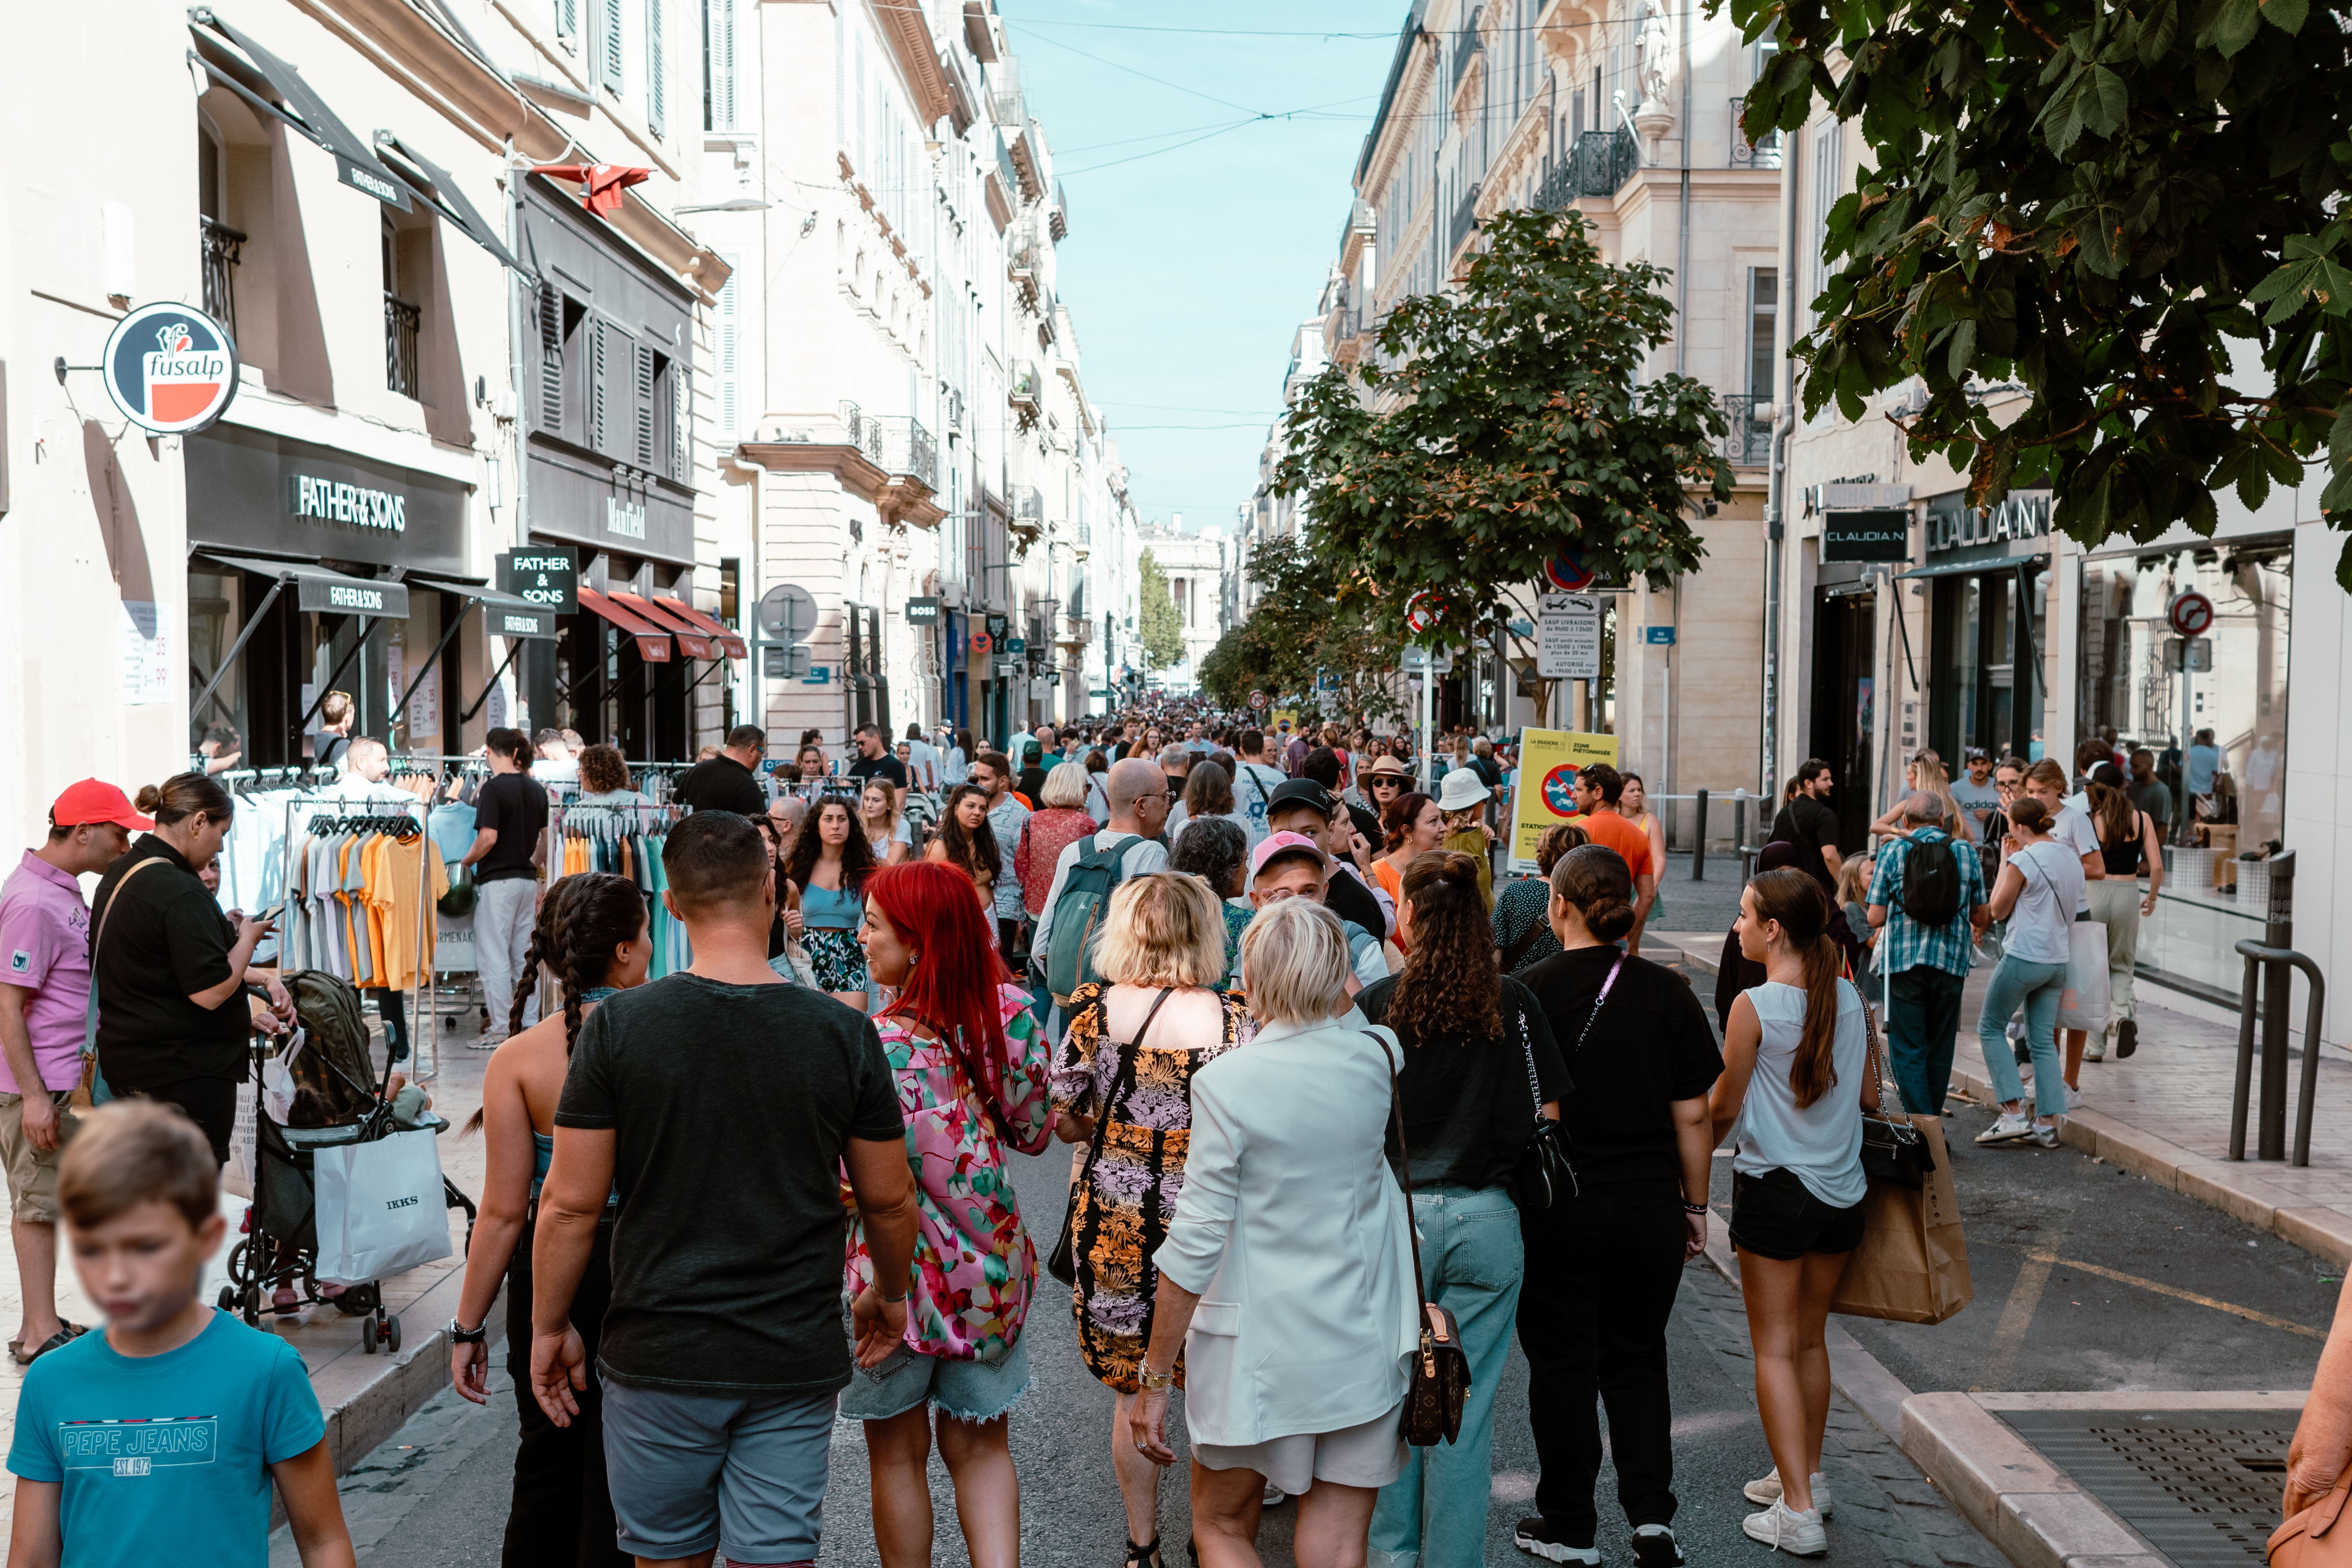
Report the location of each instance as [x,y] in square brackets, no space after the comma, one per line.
[1368,822]
[1301,792]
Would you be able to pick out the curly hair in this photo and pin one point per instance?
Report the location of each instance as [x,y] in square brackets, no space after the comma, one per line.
[603,770]
[974,852]
[857,861]
[1214,848]
[1452,980]
[581,920]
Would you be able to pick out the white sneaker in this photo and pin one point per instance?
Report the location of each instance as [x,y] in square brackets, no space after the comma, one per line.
[1274,1497]
[1784,1529]
[2073,1099]
[1767,1491]
[2008,1128]
[2046,1134]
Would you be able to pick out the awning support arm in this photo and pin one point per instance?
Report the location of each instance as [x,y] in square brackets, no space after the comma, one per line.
[1902,625]
[252,624]
[512,654]
[456,623]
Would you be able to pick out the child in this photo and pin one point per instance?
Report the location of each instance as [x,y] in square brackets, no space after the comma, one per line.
[1854,902]
[157,1440]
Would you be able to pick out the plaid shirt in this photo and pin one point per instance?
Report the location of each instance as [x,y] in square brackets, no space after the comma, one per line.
[1903,942]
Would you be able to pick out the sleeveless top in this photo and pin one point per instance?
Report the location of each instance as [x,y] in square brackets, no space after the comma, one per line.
[544,1144]
[831,908]
[1820,1144]
[2121,859]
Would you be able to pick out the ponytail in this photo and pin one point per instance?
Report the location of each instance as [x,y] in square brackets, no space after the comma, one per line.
[1794,900]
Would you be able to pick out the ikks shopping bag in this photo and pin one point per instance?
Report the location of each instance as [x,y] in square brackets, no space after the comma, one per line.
[1913,1264]
[381,1209]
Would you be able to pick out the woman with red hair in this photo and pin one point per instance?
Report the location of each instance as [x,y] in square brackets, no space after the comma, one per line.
[970,1064]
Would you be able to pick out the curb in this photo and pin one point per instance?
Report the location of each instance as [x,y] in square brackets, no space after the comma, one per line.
[1861,1376]
[371,1408]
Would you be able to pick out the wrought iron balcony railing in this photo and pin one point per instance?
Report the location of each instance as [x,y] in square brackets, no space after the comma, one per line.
[1748,443]
[220,246]
[400,322]
[1598,165]
[1747,154]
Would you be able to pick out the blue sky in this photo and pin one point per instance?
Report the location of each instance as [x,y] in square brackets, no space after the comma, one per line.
[1200,234]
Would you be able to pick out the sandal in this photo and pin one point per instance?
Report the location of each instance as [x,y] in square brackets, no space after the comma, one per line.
[65,1335]
[1144,1556]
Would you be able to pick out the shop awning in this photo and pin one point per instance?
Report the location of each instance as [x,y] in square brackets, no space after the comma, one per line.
[729,642]
[356,164]
[504,615]
[440,193]
[1975,568]
[690,637]
[652,641]
[316,588]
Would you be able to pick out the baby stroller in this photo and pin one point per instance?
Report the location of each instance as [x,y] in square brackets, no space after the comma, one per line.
[327,1095]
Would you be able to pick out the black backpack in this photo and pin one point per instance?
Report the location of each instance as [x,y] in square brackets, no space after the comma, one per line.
[1931,882]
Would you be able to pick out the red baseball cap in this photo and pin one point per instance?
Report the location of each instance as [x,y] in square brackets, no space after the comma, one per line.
[95,800]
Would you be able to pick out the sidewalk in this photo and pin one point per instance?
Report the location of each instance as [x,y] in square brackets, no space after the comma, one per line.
[365,1397]
[2165,1114]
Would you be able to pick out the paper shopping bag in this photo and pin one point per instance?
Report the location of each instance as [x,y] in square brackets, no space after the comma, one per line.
[381,1208]
[1913,1264]
[2084,1004]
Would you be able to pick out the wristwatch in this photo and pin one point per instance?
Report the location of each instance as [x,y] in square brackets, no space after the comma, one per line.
[469,1336]
[1155,1381]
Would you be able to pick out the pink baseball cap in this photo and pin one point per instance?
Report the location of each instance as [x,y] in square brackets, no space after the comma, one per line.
[1282,843]
[95,800]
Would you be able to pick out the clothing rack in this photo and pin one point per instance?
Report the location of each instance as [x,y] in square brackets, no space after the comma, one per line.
[405,823]
[609,826]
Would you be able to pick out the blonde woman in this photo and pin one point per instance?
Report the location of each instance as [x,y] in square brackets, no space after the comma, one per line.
[885,822]
[1122,1087]
[1926,772]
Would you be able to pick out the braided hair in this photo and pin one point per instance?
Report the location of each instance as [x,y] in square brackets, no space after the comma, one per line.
[582,918]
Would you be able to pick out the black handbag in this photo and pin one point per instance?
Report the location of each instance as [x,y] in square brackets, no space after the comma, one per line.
[1062,1263]
[1546,1166]
[1440,1383]
[1891,1148]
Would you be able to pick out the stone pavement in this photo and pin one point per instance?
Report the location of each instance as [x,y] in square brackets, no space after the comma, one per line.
[366,1396]
[2165,1113]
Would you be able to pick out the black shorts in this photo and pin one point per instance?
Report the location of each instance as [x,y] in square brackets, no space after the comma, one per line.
[1775,1216]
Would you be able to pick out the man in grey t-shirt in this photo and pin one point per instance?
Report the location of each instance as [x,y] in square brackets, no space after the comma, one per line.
[993,772]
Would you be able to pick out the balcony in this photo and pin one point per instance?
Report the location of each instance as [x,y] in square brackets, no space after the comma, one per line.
[1747,154]
[1074,631]
[1057,216]
[1027,515]
[1749,443]
[1598,165]
[1026,394]
[401,321]
[1470,47]
[1025,260]
[895,443]
[220,246]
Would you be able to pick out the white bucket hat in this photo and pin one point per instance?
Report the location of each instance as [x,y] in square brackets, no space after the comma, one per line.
[1461,787]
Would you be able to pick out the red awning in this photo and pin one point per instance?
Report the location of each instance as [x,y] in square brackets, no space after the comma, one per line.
[601,184]
[690,637]
[652,641]
[679,609]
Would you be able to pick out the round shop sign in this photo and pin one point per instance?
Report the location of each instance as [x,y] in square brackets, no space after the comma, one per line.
[2191,615]
[170,368]
[980,643]
[1560,790]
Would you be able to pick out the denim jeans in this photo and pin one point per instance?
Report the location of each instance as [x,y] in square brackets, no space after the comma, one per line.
[1471,1264]
[1922,1023]
[2039,986]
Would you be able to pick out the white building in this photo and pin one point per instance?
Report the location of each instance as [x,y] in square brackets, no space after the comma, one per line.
[1201,573]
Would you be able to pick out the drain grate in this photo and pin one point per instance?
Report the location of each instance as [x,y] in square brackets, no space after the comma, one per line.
[2203,1486]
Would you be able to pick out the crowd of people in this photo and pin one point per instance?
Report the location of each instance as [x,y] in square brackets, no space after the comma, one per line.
[1317,1076]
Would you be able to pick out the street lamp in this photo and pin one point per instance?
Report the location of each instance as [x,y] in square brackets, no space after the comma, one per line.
[735,204]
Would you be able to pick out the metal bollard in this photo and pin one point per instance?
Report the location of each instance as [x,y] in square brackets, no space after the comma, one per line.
[2276,961]
[1740,832]
[1698,850]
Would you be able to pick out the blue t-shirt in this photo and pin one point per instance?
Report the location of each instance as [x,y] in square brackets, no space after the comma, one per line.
[166,1457]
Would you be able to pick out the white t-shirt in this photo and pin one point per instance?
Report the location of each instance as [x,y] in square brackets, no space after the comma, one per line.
[2054,889]
[2073,830]
[923,764]
[1253,787]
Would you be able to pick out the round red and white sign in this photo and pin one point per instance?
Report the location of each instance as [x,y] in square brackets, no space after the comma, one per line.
[171,369]
[2191,614]
[1423,610]
[980,642]
[1257,698]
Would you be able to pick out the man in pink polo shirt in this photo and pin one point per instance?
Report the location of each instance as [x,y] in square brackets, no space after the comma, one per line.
[44,1003]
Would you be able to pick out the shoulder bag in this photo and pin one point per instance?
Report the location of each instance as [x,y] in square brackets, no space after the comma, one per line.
[1893,1150]
[1547,1170]
[1062,1263]
[2308,1540]
[93,1090]
[1440,1383]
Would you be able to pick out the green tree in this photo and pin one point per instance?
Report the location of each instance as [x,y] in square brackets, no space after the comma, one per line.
[1163,634]
[2131,208]
[1514,431]
[1236,667]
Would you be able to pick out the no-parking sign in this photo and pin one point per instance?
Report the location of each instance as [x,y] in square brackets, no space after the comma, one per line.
[1549,760]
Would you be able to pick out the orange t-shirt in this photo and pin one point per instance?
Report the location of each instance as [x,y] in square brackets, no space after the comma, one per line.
[1608,827]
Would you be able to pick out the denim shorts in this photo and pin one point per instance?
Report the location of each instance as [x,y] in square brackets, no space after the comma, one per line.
[967,1390]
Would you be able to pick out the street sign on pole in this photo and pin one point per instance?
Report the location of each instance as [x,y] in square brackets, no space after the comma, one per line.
[1567,636]
[1658,636]
[2195,656]
[2191,614]
[1420,660]
[1257,698]
[788,611]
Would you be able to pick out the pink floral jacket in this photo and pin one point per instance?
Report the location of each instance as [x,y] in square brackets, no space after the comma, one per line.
[974,1263]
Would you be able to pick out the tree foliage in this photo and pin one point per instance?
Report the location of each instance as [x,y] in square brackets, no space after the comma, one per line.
[2129,206]
[1162,633]
[1499,425]
[1299,631]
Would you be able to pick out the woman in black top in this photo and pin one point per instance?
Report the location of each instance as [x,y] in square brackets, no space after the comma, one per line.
[2127,841]
[172,1023]
[1603,1265]
[1473,1040]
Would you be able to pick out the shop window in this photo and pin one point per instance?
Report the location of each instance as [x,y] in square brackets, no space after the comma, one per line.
[730,588]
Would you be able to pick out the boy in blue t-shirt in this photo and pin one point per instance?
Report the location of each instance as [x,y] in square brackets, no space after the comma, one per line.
[156,1441]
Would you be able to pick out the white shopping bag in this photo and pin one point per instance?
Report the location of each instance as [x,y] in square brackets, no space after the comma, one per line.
[236,1176]
[2084,1004]
[381,1208]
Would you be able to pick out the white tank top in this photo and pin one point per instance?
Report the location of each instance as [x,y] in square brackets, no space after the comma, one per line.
[1821,1144]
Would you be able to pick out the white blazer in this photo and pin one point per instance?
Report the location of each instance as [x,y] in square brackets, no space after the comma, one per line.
[1291,1229]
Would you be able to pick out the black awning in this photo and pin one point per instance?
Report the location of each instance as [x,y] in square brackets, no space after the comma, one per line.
[302,109]
[441,192]
[1977,568]
[506,614]
[317,588]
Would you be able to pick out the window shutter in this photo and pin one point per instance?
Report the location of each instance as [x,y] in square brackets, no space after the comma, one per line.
[609,44]
[731,379]
[567,18]
[722,64]
[644,403]
[657,75]
[551,359]
[597,402]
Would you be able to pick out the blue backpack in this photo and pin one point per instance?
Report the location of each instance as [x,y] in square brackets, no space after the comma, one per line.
[1079,912]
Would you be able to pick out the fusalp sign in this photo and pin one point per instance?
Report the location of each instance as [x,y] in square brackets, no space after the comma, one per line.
[171,369]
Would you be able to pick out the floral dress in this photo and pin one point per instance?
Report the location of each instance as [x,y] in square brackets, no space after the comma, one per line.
[974,1263]
[1124,1206]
